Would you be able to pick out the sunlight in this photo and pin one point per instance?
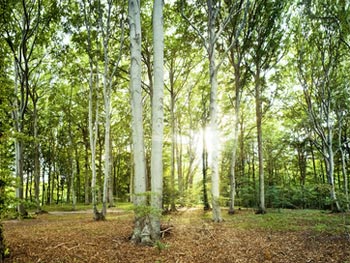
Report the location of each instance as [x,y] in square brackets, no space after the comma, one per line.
[212,142]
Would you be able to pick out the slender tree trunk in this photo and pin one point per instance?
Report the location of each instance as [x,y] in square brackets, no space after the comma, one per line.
[71,151]
[141,233]
[261,209]
[235,139]
[157,119]
[205,171]
[107,153]
[19,174]
[313,162]
[330,169]
[213,115]
[254,174]
[53,182]
[99,167]
[36,153]
[173,145]
[231,209]
[180,178]
[87,177]
[132,175]
[93,122]
[107,79]
[112,180]
[93,140]
[20,106]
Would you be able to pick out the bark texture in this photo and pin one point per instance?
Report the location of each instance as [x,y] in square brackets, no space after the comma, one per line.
[157,119]
[141,233]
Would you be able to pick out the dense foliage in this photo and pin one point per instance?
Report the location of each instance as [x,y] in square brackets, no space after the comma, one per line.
[297,55]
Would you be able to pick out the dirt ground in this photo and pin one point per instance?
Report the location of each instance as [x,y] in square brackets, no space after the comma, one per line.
[75,237]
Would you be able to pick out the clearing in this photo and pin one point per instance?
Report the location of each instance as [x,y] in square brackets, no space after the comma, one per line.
[279,236]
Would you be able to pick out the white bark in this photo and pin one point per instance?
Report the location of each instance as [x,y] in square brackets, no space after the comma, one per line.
[107,107]
[213,114]
[262,208]
[136,102]
[137,121]
[18,120]
[233,165]
[93,124]
[157,118]
[330,164]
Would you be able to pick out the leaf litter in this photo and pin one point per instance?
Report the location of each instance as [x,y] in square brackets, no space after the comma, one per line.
[75,237]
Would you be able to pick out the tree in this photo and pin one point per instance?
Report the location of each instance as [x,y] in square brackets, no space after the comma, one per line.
[266,35]
[210,38]
[105,27]
[157,118]
[180,62]
[319,59]
[25,25]
[93,119]
[142,224]
[237,53]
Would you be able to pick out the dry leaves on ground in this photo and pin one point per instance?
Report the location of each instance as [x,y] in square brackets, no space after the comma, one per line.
[77,238]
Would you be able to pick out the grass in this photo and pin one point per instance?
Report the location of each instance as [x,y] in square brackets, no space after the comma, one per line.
[290,220]
[274,220]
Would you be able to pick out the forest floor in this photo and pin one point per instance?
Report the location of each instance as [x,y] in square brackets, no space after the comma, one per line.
[278,236]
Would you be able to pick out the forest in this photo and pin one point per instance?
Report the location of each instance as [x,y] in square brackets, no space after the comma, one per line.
[164,106]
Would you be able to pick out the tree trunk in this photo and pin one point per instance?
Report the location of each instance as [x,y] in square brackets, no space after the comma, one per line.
[87,177]
[180,178]
[330,169]
[141,233]
[93,122]
[213,115]
[19,175]
[20,106]
[173,145]
[157,119]
[261,209]
[231,209]
[107,79]
[36,154]
[237,105]
[205,171]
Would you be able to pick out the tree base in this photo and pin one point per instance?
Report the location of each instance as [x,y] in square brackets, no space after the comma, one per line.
[260,212]
[99,216]
[231,212]
[207,208]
